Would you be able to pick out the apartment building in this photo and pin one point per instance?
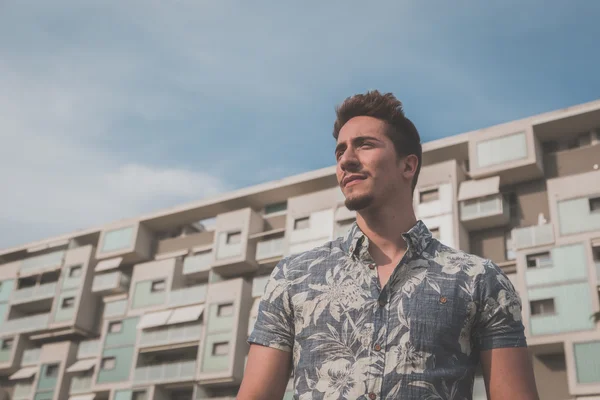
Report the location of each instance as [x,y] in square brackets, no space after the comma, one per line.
[160,306]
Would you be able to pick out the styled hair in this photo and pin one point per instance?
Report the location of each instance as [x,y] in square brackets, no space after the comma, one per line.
[388,108]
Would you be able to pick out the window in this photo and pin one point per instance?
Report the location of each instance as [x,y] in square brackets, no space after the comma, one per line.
[225,310]
[51,371]
[108,363]
[301,223]
[117,239]
[427,196]
[435,232]
[234,238]
[75,271]
[539,260]
[594,204]
[7,344]
[68,302]
[220,349]
[542,307]
[115,327]
[138,395]
[275,207]
[596,252]
[158,286]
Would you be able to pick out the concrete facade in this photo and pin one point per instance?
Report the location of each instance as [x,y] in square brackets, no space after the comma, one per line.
[159,306]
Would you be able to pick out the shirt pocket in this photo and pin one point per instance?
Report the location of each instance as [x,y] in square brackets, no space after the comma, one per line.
[437,321]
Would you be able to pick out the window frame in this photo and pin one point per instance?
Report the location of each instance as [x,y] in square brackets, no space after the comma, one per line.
[434,191]
[536,256]
[219,345]
[10,341]
[73,268]
[105,360]
[300,220]
[113,324]
[233,234]
[65,303]
[157,282]
[543,313]
[229,309]
[51,370]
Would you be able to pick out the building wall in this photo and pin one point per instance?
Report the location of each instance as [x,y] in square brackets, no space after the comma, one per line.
[216,293]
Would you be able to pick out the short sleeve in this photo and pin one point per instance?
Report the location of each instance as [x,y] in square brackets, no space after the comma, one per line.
[499,321]
[274,325]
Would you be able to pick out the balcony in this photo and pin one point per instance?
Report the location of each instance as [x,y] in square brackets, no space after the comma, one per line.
[533,236]
[23,391]
[88,348]
[187,296]
[26,324]
[484,212]
[269,248]
[164,373]
[115,308]
[111,283]
[34,293]
[81,384]
[171,335]
[259,283]
[198,264]
[44,263]
[31,357]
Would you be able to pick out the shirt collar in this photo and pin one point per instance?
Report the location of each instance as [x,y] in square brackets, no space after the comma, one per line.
[417,239]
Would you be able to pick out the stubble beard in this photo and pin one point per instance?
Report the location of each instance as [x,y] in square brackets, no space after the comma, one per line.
[359,202]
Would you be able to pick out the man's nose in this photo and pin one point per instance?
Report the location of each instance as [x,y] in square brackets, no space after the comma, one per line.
[348,161]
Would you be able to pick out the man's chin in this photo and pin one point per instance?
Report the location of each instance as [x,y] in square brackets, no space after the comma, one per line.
[358,203]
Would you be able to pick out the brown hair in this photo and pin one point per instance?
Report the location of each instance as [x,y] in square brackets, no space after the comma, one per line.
[387,108]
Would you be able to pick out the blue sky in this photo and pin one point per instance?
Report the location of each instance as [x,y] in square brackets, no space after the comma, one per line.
[110,109]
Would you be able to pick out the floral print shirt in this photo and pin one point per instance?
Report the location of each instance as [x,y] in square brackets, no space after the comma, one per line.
[419,337]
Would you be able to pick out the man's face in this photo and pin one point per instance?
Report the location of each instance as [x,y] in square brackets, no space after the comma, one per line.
[369,171]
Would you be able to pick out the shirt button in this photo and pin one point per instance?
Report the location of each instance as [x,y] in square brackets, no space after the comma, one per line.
[372,396]
[377,347]
[371,266]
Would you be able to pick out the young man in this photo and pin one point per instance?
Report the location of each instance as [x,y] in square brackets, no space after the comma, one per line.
[387,312]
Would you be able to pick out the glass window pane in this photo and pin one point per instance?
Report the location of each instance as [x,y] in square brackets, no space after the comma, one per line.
[117,239]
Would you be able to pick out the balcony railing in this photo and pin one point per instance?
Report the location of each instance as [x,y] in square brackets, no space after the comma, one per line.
[33,293]
[25,324]
[42,263]
[532,236]
[197,263]
[187,296]
[598,271]
[115,280]
[31,357]
[171,335]
[81,384]
[23,391]
[259,284]
[269,248]
[177,371]
[482,207]
[115,308]
[88,348]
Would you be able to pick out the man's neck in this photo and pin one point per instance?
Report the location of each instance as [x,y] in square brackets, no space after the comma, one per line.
[384,227]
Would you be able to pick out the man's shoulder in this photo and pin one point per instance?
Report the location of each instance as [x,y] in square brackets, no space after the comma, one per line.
[471,263]
[300,261]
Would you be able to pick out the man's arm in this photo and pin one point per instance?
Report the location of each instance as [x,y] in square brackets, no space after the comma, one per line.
[267,374]
[508,374]
[271,342]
